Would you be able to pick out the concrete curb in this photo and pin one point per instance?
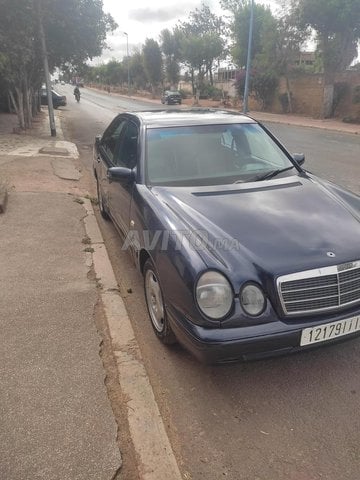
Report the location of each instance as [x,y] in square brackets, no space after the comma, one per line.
[3,200]
[156,460]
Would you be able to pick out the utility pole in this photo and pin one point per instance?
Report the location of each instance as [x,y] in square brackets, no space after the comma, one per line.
[46,69]
[248,61]
[128,61]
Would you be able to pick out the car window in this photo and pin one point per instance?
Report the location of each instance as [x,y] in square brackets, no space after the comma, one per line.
[111,138]
[128,151]
[210,154]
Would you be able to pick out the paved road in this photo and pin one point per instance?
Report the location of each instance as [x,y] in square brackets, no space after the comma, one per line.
[293,418]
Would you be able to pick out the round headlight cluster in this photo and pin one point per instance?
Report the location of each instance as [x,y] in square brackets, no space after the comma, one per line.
[252,299]
[214,295]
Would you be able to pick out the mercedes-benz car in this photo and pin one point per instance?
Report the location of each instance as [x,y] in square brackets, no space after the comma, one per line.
[244,253]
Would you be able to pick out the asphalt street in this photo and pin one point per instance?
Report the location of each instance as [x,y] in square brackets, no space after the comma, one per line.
[293,418]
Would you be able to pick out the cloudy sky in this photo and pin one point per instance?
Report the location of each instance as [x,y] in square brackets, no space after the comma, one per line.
[143,19]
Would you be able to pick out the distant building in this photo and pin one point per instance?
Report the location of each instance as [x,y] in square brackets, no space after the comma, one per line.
[226,75]
[306,58]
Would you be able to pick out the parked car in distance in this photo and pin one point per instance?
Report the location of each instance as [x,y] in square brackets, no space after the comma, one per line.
[171,97]
[58,100]
[244,253]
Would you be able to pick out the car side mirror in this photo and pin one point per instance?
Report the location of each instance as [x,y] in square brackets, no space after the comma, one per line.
[98,140]
[299,158]
[120,174]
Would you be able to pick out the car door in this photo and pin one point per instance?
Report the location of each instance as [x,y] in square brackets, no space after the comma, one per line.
[121,191]
[107,153]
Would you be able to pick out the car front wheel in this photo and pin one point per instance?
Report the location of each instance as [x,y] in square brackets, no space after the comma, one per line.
[155,305]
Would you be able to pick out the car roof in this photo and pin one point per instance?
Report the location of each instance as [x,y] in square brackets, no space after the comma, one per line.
[181,117]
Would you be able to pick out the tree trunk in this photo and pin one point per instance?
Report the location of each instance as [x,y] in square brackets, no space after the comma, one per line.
[288,93]
[328,98]
[18,105]
[192,81]
[329,80]
[27,104]
[211,75]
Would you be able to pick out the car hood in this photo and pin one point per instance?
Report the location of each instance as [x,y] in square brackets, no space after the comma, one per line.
[281,225]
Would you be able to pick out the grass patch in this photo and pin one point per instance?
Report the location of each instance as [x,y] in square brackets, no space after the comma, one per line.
[89,250]
[86,240]
[79,200]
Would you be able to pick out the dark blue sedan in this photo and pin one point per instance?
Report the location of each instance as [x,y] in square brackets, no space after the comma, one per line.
[244,254]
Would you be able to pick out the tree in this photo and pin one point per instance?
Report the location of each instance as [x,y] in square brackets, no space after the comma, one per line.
[202,42]
[19,48]
[137,71]
[264,29]
[75,31]
[153,65]
[337,24]
[170,47]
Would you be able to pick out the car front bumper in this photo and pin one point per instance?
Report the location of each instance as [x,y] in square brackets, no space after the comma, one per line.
[225,345]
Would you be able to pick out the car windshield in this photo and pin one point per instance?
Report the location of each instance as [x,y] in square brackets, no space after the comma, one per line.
[211,155]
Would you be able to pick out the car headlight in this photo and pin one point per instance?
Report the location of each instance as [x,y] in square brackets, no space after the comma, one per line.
[252,299]
[214,295]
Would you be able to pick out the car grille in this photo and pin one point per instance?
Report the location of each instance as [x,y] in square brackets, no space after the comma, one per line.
[321,289]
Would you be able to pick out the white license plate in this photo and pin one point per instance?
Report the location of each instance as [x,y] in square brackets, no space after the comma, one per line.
[329,331]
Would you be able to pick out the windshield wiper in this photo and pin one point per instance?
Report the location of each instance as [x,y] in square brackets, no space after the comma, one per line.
[270,174]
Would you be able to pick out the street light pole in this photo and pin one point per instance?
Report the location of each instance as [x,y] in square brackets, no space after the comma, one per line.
[128,61]
[248,61]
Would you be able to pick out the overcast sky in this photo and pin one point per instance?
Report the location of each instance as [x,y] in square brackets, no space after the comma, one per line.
[143,19]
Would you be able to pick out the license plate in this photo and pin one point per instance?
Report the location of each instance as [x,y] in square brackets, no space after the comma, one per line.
[329,331]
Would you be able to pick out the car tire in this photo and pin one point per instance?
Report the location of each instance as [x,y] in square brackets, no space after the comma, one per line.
[155,304]
[102,207]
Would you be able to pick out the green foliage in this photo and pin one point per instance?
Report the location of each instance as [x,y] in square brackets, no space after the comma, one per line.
[183,93]
[264,31]
[170,47]
[202,42]
[75,30]
[137,71]
[337,23]
[264,85]
[356,95]
[209,91]
[341,89]
[152,60]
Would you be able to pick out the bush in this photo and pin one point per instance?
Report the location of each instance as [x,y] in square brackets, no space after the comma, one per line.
[356,96]
[209,91]
[351,119]
[341,89]
[264,85]
[183,93]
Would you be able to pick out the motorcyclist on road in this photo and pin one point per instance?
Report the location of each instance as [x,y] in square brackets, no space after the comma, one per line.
[77,92]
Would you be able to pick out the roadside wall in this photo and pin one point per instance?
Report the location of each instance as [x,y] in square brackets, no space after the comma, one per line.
[308,94]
